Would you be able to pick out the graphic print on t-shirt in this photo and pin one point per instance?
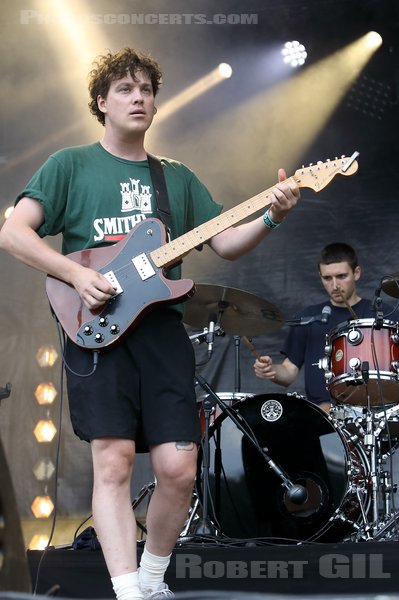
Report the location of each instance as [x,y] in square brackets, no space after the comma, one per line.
[134,197]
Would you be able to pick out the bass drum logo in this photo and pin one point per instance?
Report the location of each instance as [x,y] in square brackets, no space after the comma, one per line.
[271,410]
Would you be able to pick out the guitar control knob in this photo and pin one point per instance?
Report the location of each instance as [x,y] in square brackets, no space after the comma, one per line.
[88,330]
[103,321]
[114,329]
[99,338]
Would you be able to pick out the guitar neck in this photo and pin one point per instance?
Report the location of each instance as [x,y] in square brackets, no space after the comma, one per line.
[315,177]
[174,251]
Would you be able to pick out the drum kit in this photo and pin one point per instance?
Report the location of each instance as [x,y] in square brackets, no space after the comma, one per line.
[275,468]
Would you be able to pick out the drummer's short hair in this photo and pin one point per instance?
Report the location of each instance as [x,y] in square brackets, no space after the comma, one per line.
[338,252]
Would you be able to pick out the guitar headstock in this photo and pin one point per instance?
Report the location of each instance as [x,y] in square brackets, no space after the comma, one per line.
[317,176]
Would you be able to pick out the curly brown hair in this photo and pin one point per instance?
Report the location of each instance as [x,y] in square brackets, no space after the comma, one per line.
[111,67]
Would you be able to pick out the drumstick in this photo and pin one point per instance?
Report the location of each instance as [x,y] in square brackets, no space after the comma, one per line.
[250,346]
[348,306]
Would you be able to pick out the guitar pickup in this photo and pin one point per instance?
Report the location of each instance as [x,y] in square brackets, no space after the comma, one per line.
[143,266]
[110,275]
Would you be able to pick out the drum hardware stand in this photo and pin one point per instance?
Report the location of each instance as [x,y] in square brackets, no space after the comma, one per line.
[237,370]
[379,525]
[205,526]
[185,535]
[296,493]
[146,490]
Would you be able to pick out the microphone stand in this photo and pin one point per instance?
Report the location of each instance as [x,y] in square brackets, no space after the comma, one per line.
[296,493]
[377,307]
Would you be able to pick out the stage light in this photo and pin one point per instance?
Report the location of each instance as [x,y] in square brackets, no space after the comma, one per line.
[44,469]
[204,84]
[45,393]
[373,40]
[294,54]
[38,542]
[45,431]
[42,507]
[225,70]
[46,356]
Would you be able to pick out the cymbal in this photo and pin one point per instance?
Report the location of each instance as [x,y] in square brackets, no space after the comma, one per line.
[238,312]
[390,285]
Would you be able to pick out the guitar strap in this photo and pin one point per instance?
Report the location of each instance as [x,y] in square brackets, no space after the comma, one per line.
[161,192]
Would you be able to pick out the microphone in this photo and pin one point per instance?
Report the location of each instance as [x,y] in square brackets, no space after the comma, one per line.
[377,307]
[365,371]
[323,318]
[211,333]
[325,314]
[297,494]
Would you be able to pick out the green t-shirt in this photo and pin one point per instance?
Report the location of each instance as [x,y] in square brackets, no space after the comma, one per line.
[94,198]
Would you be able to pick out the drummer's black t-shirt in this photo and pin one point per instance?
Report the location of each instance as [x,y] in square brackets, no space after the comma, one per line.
[305,344]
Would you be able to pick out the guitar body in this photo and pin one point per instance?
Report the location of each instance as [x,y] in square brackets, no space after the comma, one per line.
[95,330]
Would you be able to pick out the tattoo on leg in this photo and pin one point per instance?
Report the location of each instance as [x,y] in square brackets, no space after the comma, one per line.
[185,446]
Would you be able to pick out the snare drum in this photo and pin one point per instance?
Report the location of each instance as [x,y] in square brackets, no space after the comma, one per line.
[349,347]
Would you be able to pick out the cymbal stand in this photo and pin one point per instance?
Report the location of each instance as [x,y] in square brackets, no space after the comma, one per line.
[237,364]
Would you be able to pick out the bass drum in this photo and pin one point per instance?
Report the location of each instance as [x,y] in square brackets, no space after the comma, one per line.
[247,498]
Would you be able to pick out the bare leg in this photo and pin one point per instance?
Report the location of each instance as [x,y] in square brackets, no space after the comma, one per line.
[175,466]
[114,519]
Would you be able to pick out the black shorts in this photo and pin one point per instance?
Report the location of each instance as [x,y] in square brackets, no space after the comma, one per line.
[142,388]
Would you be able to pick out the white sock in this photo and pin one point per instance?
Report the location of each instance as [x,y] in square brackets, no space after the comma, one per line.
[152,569]
[126,587]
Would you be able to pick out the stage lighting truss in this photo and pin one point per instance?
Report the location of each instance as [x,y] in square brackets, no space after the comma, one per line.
[294,54]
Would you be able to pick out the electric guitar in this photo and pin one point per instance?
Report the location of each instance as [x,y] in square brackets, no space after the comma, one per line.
[135,265]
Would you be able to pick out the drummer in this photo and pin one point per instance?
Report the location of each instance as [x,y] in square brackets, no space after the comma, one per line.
[304,345]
